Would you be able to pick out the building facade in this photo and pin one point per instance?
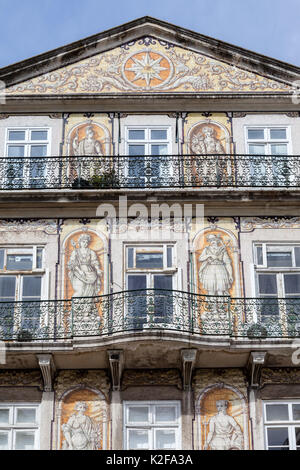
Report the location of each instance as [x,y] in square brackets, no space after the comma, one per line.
[150,246]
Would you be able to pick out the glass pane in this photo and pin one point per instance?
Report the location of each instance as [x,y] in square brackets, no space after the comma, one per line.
[138,414]
[159,149]
[4,416]
[278,149]
[7,287]
[136,150]
[19,262]
[278,133]
[38,150]
[158,134]
[163,282]
[296,412]
[267,284]
[136,282]
[169,257]
[31,286]
[26,415]
[259,255]
[255,149]
[165,439]
[16,151]
[297,436]
[279,259]
[24,440]
[292,283]
[136,134]
[4,441]
[39,135]
[39,258]
[16,135]
[297,256]
[138,439]
[277,413]
[165,414]
[149,260]
[278,436]
[130,257]
[255,133]
[1,259]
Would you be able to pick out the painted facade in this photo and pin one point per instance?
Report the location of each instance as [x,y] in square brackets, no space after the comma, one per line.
[120,337]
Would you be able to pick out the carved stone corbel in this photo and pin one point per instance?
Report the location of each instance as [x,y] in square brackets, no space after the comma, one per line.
[116,362]
[256,361]
[48,369]
[188,357]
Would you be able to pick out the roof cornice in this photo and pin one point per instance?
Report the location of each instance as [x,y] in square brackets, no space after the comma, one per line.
[148,26]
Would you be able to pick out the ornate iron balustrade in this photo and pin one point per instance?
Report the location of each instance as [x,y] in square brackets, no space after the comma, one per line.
[150,309]
[142,172]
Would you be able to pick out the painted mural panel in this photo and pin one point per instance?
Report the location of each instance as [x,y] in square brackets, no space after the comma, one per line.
[147,65]
[207,139]
[88,141]
[84,277]
[216,259]
[83,420]
[223,420]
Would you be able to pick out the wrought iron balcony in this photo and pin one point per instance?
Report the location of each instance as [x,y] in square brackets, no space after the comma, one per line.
[142,172]
[150,309]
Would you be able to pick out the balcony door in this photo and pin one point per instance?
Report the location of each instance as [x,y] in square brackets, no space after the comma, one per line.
[150,282]
[268,149]
[26,150]
[148,163]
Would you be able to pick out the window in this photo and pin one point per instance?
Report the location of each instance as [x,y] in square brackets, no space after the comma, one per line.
[278,276]
[21,280]
[19,427]
[26,150]
[152,268]
[282,425]
[152,425]
[148,149]
[268,147]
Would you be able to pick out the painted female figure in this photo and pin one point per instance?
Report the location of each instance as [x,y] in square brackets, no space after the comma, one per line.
[215,273]
[80,431]
[84,269]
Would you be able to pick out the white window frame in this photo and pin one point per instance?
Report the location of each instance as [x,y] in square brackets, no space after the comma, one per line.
[151,272]
[151,426]
[278,270]
[290,424]
[267,141]
[27,143]
[12,427]
[147,142]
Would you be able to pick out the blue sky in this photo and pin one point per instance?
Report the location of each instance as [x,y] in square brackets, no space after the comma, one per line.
[30,27]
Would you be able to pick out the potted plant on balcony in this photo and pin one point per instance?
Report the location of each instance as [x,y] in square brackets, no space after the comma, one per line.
[106,180]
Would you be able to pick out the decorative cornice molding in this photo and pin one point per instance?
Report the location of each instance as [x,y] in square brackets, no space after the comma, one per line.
[48,369]
[255,363]
[188,357]
[116,362]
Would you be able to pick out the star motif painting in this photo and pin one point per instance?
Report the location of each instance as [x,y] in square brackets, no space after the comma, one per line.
[147,69]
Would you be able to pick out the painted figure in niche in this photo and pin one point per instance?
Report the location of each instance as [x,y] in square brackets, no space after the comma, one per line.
[84,269]
[224,432]
[215,273]
[81,432]
[89,145]
[206,142]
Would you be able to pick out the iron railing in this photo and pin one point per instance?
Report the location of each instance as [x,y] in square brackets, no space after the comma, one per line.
[150,309]
[142,172]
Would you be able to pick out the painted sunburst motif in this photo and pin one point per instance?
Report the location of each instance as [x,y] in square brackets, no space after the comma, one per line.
[147,69]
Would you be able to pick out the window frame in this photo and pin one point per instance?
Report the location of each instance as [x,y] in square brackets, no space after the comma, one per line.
[12,427]
[267,141]
[151,425]
[290,424]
